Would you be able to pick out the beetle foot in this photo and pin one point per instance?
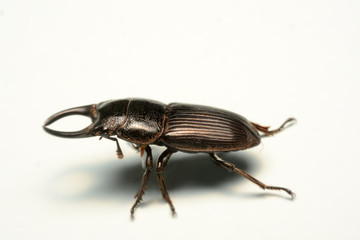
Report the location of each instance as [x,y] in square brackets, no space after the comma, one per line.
[173,213]
[265,129]
[132,211]
[119,154]
[165,193]
[288,191]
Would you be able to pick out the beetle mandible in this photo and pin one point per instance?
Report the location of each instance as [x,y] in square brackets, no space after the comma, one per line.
[177,126]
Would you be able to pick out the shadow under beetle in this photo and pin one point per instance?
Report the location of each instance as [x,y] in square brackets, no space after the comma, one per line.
[177,126]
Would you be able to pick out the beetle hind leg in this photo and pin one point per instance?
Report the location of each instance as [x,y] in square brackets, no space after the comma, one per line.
[231,167]
[160,168]
[289,122]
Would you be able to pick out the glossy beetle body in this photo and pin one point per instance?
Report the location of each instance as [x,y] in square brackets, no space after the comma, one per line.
[177,126]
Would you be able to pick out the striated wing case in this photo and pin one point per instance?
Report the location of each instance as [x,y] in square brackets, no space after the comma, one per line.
[195,128]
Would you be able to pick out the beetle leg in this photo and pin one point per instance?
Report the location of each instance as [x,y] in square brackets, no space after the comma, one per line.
[118,150]
[231,167]
[160,168]
[267,132]
[145,179]
[135,146]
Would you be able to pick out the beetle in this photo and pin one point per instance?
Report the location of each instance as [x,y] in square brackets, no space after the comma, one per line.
[177,126]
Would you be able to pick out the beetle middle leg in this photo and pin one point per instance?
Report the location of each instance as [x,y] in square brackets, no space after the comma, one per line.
[231,167]
[145,179]
[160,168]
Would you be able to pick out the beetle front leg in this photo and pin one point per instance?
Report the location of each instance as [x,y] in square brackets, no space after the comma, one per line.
[118,150]
[160,168]
[145,179]
[231,167]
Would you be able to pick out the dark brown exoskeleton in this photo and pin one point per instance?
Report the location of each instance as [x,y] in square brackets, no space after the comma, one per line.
[178,127]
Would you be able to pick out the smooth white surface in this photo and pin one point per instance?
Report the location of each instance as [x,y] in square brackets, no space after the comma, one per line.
[266,60]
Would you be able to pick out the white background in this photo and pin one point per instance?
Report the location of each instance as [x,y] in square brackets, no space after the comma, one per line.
[266,60]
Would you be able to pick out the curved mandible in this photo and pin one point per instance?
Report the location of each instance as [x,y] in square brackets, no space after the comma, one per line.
[87,111]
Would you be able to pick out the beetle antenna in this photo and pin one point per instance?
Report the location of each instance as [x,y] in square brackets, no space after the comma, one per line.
[265,129]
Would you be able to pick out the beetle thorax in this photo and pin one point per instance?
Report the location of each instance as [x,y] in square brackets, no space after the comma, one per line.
[144,122]
[112,123]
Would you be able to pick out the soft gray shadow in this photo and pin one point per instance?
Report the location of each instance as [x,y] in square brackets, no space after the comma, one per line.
[121,179]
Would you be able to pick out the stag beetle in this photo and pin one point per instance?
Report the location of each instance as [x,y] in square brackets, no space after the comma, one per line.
[177,126]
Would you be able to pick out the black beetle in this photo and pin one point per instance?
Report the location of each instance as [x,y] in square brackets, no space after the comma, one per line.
[177,126]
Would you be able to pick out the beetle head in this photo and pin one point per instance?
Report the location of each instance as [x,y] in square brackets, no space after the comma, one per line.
[106,118]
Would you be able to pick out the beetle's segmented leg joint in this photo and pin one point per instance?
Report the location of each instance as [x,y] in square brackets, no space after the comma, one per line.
[160,168]
[232,167]
[145,179]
